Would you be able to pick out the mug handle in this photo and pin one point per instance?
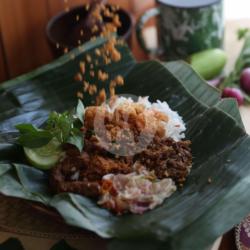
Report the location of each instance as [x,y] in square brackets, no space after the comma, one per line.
[139,28]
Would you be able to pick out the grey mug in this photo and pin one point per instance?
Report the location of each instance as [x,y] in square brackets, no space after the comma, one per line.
[184,27]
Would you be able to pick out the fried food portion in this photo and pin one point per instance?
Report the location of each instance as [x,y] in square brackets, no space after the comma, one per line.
[168,158]
[82,173]
[105,133]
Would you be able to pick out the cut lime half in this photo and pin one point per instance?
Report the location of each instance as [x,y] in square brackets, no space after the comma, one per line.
[45,157]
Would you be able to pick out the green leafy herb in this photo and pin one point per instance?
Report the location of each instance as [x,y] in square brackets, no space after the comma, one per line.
[60,125]
[80,111]
[32,137]
[65,127]
[26,128]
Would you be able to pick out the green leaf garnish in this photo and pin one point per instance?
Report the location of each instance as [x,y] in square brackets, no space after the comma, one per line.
[60,125]
[80,110]
[32,137]
[65,127]
[26,128]
[76,140]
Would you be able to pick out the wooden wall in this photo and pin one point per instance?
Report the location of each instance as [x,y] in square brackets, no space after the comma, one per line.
[23,44]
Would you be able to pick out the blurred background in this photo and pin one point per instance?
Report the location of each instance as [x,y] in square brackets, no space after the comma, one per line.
[23,42]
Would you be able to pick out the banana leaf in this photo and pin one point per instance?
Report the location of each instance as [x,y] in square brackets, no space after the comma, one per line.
[195,215]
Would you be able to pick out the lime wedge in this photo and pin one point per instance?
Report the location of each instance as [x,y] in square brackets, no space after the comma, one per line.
[45,157]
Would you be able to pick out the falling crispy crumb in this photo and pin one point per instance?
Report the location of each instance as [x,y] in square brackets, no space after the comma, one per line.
[209,180]
[119,80]
[112,91]
[102,76]
[82,67]
[80,95]
[88,58]
[94,29]
[72,56]
[66,9]
[112,84]
[85,86]
[57,45]
[107,13]
[66,50]
[92,89]
[97,15]
[101,97]
[116,21]
[108,53]
[116,55]
[98,52]
[106,60]
[78,77]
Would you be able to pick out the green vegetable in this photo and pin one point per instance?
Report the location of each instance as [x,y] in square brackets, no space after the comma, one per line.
[65,128]
[80,110]
[243,61]
[45,157]
[209,63]
[32,137]
[60,125]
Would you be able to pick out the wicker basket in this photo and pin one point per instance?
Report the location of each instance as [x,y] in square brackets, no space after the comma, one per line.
[32,219]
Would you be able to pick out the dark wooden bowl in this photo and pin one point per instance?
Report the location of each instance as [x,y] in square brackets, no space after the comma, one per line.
[60,29]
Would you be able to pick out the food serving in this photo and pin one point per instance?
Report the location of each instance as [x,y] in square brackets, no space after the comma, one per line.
[134,154]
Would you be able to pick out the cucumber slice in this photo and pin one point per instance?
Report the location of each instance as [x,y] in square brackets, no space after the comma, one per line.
[45,157]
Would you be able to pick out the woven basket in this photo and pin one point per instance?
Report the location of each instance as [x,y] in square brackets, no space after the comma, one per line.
[32,219]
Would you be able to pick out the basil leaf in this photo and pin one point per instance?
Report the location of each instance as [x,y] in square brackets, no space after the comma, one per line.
[35,139]
[80,110]
[25,128]
[60,125]
[76,140]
